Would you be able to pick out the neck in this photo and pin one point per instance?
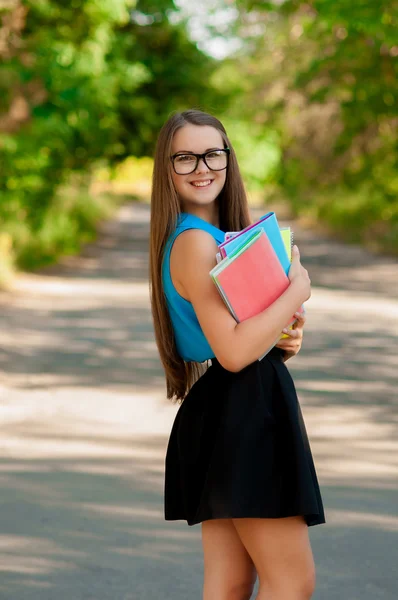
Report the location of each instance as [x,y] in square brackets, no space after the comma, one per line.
[207,213]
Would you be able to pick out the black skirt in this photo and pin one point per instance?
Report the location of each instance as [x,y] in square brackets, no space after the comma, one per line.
[239,448]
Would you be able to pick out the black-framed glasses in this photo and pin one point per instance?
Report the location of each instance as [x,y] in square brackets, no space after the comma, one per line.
[185,163]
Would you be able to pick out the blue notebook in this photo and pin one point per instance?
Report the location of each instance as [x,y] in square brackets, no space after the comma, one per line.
[267,223]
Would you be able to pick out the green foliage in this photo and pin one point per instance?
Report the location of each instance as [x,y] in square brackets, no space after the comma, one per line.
[360,215]
[309,102]
[82,82]
[257,152]
[71,221]
[324,74]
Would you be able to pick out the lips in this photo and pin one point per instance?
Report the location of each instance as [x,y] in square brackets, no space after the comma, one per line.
[201,183]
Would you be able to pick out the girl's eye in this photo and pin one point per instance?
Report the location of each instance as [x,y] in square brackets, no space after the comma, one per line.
[215,154]
[184,158]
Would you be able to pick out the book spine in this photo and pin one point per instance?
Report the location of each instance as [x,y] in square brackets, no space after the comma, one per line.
[291,240]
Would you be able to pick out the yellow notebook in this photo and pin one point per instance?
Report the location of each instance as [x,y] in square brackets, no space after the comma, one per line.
[287,236]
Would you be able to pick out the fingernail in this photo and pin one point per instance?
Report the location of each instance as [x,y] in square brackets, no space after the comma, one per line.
[296,314]
[284,330]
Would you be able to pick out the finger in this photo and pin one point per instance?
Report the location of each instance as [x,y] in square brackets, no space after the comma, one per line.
[295,256]
[290,350]
[299,324]
[284,344]
[300,317]
[293,333]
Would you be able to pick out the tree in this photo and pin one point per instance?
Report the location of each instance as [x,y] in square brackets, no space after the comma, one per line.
[324,74]
[83,81]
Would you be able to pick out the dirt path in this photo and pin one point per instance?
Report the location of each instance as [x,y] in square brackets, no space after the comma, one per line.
[84,427]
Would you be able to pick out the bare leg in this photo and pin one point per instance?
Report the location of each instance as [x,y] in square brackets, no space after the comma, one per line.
[229,570]
[282,555]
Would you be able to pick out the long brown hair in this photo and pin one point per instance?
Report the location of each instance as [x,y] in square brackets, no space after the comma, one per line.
[165,208]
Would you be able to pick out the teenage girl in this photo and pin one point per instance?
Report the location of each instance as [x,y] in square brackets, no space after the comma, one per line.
[238,459]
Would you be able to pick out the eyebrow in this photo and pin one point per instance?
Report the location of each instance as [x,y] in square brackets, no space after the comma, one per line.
[191,152]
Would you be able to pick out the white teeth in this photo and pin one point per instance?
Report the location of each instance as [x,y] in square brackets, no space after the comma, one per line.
[201,183]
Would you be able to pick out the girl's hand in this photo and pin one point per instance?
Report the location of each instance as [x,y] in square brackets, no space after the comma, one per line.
[292,344]
[299,277]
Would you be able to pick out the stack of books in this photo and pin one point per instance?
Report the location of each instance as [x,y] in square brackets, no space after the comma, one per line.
[252,269]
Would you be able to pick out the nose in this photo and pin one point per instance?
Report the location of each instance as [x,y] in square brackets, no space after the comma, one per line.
[202,167]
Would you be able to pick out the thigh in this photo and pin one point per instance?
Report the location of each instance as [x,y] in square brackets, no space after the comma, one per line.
[280,550]
[229,570]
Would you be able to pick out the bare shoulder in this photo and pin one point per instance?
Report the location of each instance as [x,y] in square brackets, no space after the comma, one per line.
[195,243]
[193,255]
[195,239]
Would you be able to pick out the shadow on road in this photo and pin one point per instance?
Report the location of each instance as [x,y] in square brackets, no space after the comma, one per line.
[91,527]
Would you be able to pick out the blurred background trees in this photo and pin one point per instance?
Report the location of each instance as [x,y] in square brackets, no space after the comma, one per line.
[324,75]
[307,91]
[83,84]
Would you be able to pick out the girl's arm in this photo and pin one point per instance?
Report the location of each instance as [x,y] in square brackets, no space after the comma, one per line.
[235,345]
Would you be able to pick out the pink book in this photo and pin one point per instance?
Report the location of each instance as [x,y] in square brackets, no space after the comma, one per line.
[253,280]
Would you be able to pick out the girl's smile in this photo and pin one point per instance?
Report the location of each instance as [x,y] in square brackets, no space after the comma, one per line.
[200,183]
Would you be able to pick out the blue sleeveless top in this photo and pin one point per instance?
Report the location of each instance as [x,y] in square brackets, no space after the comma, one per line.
[190,339]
